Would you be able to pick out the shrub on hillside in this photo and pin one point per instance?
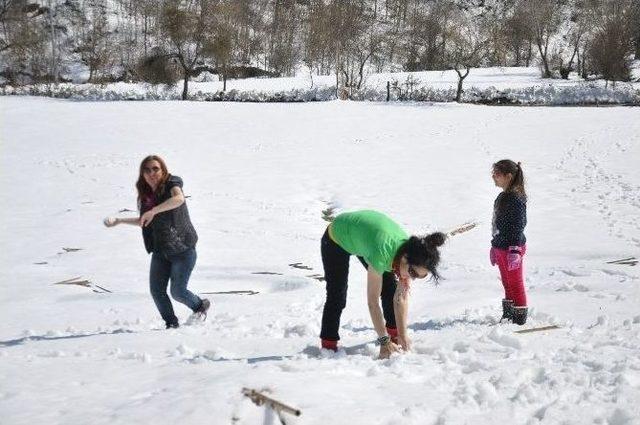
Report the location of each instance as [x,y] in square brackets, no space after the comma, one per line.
[158,68]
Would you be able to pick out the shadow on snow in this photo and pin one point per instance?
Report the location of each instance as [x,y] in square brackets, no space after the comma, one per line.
[18,341]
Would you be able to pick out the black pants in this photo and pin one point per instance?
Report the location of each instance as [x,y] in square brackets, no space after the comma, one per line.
[336,273]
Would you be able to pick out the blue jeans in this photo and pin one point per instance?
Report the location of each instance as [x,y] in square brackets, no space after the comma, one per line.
[178,268]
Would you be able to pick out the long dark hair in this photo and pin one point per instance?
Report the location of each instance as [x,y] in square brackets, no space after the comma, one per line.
[145,192]
[507,166]
[423,251]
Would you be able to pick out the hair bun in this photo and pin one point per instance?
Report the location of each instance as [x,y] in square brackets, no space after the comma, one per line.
[435,239]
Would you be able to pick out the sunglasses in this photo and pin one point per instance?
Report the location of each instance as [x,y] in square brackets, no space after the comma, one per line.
[413,273]
[150,170]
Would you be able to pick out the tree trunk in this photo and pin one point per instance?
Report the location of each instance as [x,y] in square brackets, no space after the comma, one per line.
[529,52]
[54,64]
[224,77]
[585,70]
[460,81]
[337,81]
[146,28]
[361,70]
[185,87]
[545,64]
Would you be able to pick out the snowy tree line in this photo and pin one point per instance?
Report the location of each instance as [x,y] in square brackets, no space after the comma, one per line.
[164,41]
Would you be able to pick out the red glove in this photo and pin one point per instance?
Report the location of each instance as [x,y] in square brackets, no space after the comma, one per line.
[514,258]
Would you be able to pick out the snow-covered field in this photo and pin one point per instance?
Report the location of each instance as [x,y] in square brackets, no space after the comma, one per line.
[258,177]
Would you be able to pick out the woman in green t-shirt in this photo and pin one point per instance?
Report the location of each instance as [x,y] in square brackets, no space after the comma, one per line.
[390,256]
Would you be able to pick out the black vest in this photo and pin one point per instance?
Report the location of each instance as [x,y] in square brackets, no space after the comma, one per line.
[170,232]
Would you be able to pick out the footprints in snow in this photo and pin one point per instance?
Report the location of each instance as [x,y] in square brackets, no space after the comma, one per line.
[617,201]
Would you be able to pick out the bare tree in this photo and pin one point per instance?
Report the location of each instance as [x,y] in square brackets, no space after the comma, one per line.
[611,48]
[317,42]
[545,17]
[427,35]
[465,50]
[184,23]
[250,31]
[95,49]
[518,36]
[355,38]
[221,46]
[576,27]
[493,24]
[283,49]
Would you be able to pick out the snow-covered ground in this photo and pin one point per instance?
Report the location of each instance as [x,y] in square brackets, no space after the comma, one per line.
[258,177]
[512,85]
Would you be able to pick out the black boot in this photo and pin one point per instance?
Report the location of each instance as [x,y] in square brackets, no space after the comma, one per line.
[507,310]
[520,315]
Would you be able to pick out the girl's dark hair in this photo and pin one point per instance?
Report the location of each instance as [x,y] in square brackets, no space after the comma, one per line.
[144,190]
[507,166]
[423,252]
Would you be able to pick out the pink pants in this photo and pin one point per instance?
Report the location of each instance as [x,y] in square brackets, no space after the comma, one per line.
[512,280]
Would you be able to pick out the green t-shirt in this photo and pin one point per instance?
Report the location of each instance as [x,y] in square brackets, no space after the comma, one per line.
[369,234]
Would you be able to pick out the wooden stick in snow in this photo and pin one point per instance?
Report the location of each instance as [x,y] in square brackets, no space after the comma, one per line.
[68,280]
[84,283]
[71,249]
[259,399]
[540,329]
[462,228]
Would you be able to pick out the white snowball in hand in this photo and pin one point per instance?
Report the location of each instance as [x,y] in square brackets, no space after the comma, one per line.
[110,221]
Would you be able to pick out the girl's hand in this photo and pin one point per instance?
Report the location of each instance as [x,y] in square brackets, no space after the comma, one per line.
[110,221]
[387,349]
[514,258]
[147,217]
[404,342]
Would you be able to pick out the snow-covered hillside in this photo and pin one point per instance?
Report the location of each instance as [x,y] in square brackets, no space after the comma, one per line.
[258,177]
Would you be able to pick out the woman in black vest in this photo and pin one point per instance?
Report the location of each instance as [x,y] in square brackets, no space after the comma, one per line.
[168,235]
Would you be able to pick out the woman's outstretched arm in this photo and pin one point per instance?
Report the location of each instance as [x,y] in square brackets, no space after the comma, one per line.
[113,221]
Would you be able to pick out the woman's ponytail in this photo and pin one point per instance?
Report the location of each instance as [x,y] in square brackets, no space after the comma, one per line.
[423,252]
[435,239]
